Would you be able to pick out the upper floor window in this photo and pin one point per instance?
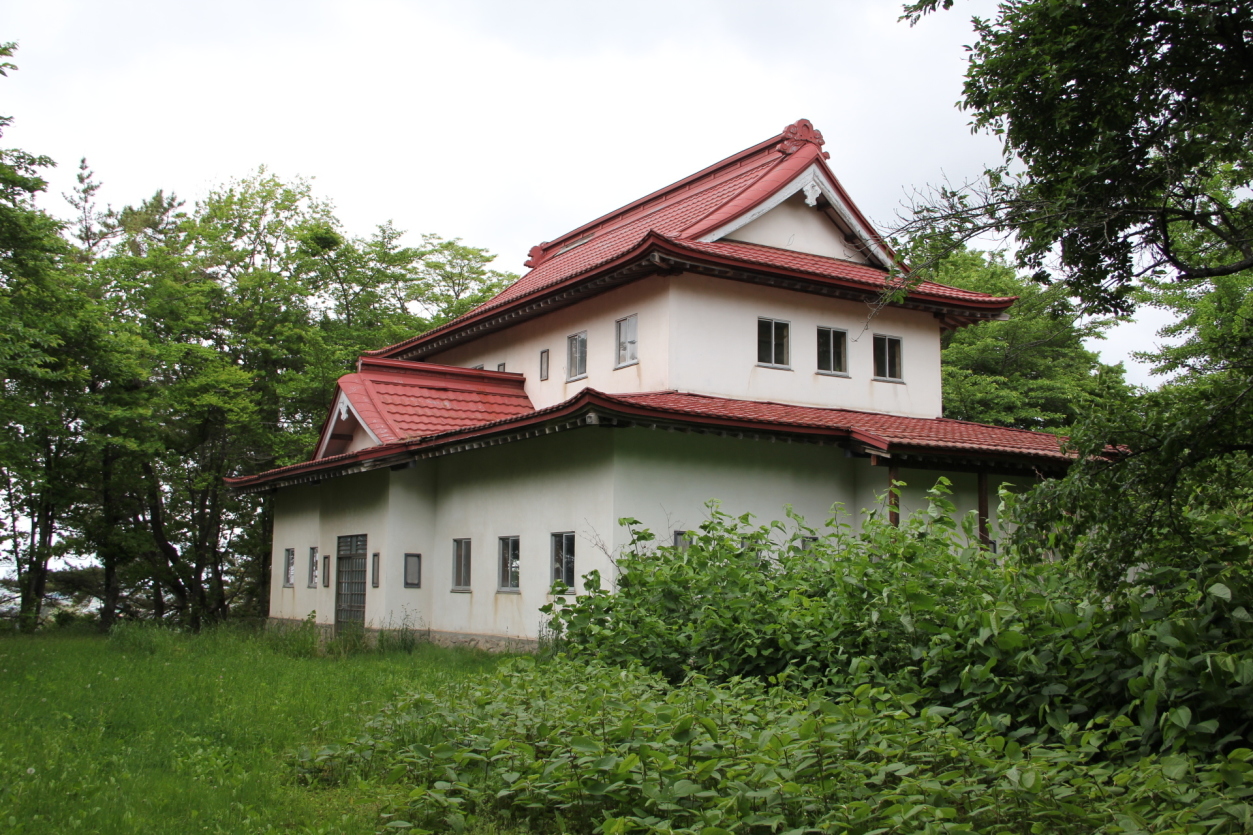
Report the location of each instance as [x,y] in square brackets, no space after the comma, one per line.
[500,366]
[772,343]
[510,564]
[563,558]
[887,357]
[576,356]
[832,351]
[627,352]
[543,364]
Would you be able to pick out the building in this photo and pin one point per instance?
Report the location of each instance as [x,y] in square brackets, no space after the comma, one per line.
[722,338]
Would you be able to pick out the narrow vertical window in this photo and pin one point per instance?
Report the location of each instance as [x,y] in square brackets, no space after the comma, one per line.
[887,357]
[772,343]
[682,539]
[832,350]
[313,568]
[563,558]
[326,571]
[627,341]
[509,563]
[576,356]
[500,366]
[461,563]
[374,570]
[413,571]
[543,364]
[289,567]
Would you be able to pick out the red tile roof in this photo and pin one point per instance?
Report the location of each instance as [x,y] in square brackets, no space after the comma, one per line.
[402,400]
[680,214]
[450,423]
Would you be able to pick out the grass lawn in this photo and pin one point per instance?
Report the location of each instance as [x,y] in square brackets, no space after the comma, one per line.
[157,732]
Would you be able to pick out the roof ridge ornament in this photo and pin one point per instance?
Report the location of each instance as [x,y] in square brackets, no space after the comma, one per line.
[797,135]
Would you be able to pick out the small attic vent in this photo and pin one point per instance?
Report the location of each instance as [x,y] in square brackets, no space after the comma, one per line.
[579,242]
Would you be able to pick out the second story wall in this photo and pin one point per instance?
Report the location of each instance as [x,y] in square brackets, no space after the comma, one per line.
[596,319]
[700,334]
[714,348]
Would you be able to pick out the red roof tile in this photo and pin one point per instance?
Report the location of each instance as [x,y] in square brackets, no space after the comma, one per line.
[687,210]
[402,400]
[881,431]
[448,417]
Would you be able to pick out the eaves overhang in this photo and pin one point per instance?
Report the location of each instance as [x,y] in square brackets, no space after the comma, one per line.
[658,254]
[592,408]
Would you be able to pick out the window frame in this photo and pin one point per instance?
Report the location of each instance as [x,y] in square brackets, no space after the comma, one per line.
[514,566]
[374,570]
[543,364]
[500,366]
[462,563]
[326,570]
[573,340]
[633,352]
[289,568]
[888,339]
[313,567]
[682,539]
[833,372]
[563,550]
[414,559]
[774,343]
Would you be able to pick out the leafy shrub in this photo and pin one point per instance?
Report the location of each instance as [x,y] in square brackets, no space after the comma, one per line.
[922,609]
[583,747]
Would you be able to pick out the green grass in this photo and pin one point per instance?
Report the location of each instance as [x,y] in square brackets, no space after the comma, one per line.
[152,731]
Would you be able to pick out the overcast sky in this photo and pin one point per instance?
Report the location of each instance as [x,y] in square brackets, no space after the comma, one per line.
[501,122]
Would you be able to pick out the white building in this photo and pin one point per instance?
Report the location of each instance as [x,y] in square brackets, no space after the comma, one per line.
[713,340]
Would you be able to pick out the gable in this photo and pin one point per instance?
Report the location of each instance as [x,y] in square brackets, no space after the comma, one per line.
[795,225]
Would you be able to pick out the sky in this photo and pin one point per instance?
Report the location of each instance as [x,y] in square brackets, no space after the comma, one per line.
[500,122]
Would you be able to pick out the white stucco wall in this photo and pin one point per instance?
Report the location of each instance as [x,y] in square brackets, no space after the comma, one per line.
[714,348]
[699,334]
[795,225]
[519,346]
[581,481]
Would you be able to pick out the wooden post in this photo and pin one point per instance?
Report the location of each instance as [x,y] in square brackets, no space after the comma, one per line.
[984,536]
[894,498]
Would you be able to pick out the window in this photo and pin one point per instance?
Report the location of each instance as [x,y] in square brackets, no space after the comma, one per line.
[808,542]
[627,352]
[413,571]
[576,356]
[509,563]
[832,351]
[461,563]
[374,570]
[313,568]
[563,558]
[887,357]
[682,539]
[326,571]
[543,364]
[289,568]
[772,343]
[478,367]
[500,366]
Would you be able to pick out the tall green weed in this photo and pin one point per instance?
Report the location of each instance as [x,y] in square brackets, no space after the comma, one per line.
[923,609]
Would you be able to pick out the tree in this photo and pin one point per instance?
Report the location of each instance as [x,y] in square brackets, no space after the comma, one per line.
[1031,371]
[1128,136]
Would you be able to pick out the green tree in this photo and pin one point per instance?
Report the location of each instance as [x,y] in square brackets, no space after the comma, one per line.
[1128,136]
[1030,371]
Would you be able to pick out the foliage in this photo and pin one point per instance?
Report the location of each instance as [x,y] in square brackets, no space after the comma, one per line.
[155,731]
[1128,130]
[922,610]
[1168,478]
[589,747]
[1030,372]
